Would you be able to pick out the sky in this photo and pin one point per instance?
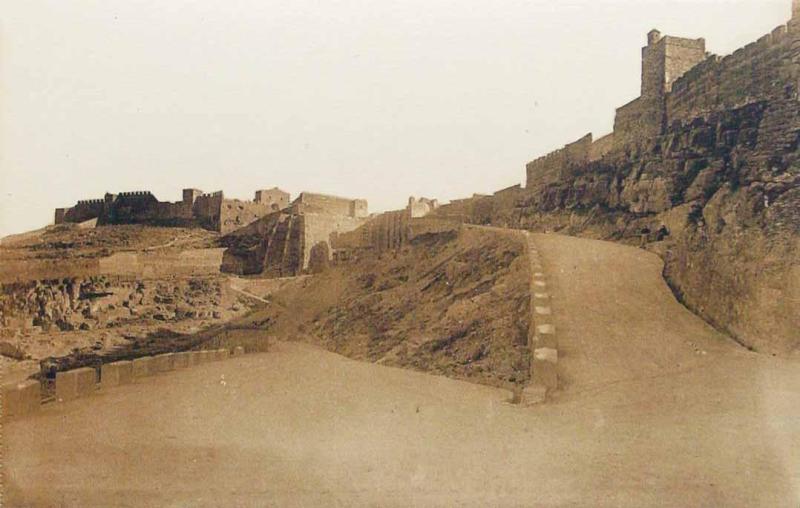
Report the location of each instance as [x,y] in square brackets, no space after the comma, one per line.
[359,98]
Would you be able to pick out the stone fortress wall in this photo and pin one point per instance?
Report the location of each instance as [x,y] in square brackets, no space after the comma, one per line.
[682,82]
[281,243]
[211,211]
[552,167]
[665,60]
[703,167]
[308,202]
[384,231]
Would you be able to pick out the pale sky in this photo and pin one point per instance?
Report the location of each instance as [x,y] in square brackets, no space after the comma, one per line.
[359,98]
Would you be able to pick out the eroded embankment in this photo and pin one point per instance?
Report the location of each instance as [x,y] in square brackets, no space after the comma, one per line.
[454,303]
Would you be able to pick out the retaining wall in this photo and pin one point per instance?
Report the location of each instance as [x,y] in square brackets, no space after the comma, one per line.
[25,398]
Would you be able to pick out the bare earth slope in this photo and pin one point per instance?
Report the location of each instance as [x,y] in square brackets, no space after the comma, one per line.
[455,303]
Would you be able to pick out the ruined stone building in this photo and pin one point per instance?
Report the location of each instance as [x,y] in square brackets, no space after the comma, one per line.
[283,243]
[211,211]
[384,231]
[317,229]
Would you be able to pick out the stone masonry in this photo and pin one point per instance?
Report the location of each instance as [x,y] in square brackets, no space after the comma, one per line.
[703,168]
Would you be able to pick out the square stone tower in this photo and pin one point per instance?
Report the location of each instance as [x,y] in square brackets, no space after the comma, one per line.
[191,195]
[667,58]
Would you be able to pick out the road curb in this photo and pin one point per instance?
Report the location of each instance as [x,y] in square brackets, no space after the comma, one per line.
[542,338]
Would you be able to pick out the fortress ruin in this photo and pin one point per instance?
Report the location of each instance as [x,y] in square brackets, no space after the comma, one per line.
[211,211]
[702,167]
[314,230]
[682,86]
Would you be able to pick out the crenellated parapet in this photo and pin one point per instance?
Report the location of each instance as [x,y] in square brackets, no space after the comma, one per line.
[196,208]
[681,81]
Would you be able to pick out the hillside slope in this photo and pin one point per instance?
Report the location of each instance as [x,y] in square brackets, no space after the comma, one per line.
[454,303]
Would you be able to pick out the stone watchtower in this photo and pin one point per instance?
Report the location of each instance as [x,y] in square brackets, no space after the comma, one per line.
[667,58]
[664,60]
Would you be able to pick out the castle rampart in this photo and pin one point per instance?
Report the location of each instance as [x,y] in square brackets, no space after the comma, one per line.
[763,70]
[701,166]
[309,202]
[211,211]
[384,231]
[275,198]
[553,166]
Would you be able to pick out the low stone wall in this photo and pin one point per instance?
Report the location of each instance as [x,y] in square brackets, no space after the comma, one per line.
[159,264]
[21,399]
[250,339]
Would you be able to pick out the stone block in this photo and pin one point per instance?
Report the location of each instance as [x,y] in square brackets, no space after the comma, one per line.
[195,358]
[164,362]
[154,366]
[86,380]
[223,354]
[545,336]
[116,373]
[238,351]
[542,297]
[72,384]
[545,367]
[181,360]
[533,394]
[20,399]
[541,310]
[141,366]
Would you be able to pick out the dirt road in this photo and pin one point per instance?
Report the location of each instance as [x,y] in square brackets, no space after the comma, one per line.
[645,419]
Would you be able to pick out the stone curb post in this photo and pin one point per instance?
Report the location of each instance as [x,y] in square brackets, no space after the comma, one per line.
[115,374]
[20,399]
[76,383]
[542,339]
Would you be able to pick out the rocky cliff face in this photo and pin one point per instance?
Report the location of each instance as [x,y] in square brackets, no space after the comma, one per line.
[717,197]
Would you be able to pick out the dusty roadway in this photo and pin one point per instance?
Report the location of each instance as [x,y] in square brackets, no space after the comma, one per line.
[646,419]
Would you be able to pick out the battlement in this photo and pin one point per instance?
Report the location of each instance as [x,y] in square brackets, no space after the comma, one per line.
[135,194]
[680,81]
[552,166]
[761,70]
[208,210]
[332,205]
